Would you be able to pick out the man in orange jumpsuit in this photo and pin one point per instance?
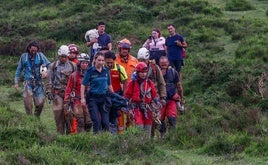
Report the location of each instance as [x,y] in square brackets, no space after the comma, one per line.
[125,59]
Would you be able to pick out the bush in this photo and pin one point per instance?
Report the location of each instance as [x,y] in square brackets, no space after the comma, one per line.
[258,148]
[253,51]
[238,5]
[224,144]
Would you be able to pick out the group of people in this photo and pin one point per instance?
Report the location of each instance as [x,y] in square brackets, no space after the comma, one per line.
[80,86]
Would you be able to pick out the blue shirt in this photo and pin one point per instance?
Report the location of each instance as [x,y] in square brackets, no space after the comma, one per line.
[103,40]
[174,51]
[98,81]
[31,67]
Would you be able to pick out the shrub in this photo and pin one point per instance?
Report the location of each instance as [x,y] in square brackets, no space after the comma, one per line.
[263,105]
[224,144]
[258,148]
[213,72]
[238,5]
[253,51]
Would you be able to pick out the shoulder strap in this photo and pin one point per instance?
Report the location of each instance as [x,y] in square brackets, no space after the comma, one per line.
[153,69]
[173,73]
[74,84]
[54,65]
[73,67]
[75,75]
[41,59]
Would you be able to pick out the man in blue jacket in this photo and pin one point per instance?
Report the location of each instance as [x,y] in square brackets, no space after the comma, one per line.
[30,63]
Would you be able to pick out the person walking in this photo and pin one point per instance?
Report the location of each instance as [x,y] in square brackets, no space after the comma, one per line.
[73,93]
[175,44]
[99,40]
[98,80]
[156,45]
[59,73]
[155,75]
[172,80]
[31,63]
[141,92]
[119,82]
[129,62]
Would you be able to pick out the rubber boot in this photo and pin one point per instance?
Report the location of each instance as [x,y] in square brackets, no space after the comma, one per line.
[28,105]
[60,122]
[172,121]
[162,128]
[80,124]
[38,110]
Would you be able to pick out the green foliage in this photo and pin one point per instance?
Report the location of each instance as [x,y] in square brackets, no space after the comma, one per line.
[225,65]
[212,72]
[224,144]
[264,105]
[255,52]
[258,148]
[238,5]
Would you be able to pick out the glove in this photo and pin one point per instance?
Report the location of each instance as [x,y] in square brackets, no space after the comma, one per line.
[50,96]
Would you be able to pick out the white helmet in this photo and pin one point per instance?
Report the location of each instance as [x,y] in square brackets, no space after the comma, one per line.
[63,50]
[143,53]
[83,57]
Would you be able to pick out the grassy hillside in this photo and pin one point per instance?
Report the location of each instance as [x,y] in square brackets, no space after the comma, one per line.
[225,80]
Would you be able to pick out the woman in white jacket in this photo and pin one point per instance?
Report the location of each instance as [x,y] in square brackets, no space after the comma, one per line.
[156,45]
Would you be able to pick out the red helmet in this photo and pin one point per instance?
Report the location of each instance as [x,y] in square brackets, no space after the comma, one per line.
[141,67]
[73,48]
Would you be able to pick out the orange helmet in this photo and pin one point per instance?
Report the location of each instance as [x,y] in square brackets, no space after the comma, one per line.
[124,43]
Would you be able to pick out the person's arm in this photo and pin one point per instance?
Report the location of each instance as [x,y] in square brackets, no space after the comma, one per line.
[184,44]
[181,42]
[124,84]
[110,88]
[69,87]
[109,82]
[91,42]
[166,49]
[109,45]
[146,44]
[82,90]
[17,74]
[161,85]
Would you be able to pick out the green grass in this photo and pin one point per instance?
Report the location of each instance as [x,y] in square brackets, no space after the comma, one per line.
[226,120]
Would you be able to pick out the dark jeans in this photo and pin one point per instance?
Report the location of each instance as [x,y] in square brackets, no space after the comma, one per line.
[99,116]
